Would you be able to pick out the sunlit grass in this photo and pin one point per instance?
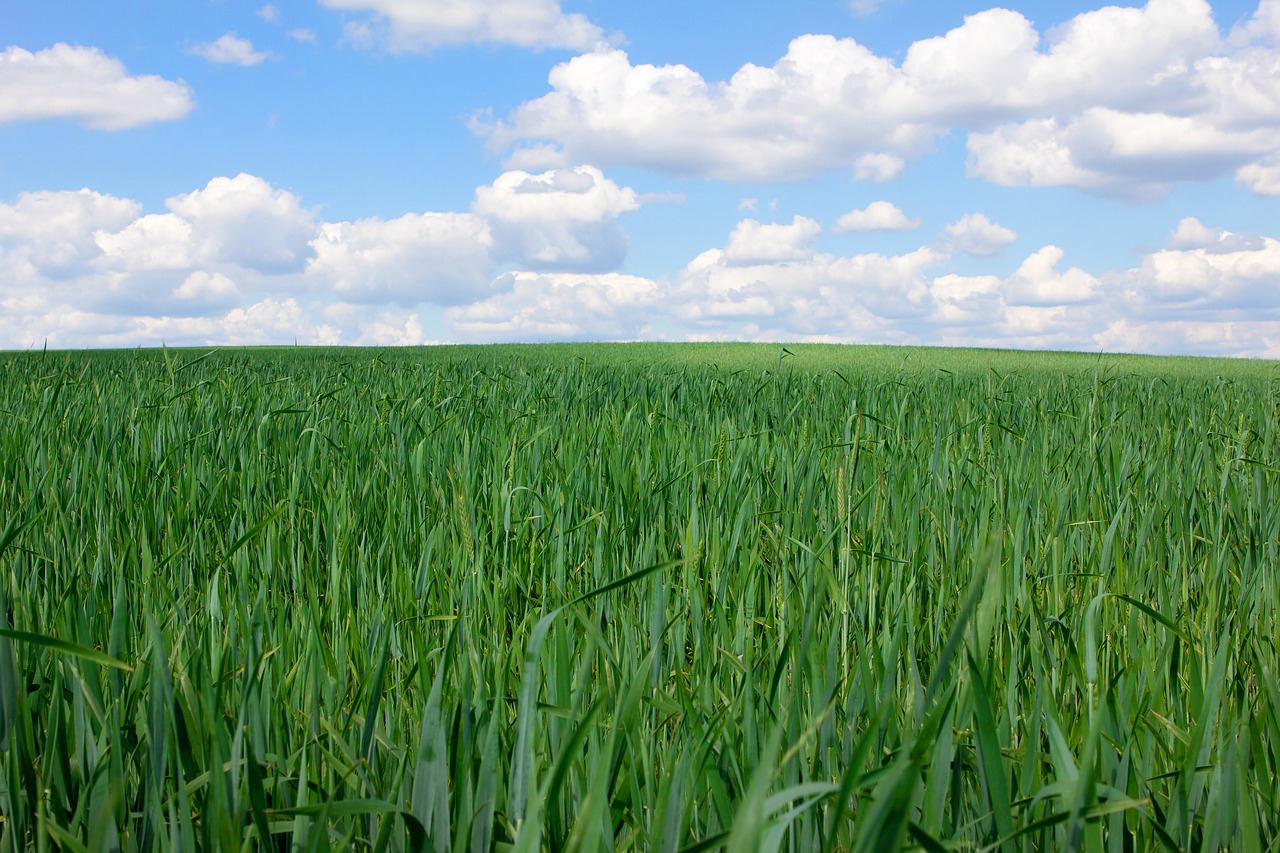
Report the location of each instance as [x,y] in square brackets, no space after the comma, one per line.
[638,597]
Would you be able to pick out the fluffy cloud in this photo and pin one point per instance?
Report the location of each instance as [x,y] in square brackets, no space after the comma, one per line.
[82,83]
[53,232]
[208,290]
[88,269]
[877,216]
[1228,273]
[412,26]
[240,222]
[816,109]
[562,219]
[1191,233]
[247,222]
[1137,155]
[975,234]
[754,243]
[441,258]
[877,168]
[158,241]
[1262,177]
[1124,101]
[1038,282]
[543,306]
[1250,339]
[230,49]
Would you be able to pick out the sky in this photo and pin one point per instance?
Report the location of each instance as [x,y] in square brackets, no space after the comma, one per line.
[1039,175]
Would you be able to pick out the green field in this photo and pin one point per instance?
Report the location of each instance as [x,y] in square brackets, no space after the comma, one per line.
[638,597]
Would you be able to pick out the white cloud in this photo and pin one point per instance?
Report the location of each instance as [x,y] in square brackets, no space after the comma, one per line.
[1261,27]
[541,306]
[816,109]
[1128,154]
[157,241]
[442,258]
[268,321]
[246,221]
[53,232]
[303,34]
[1125,101]
[1038,282]
[269,13]
[205,290]
[1232,273]
[754,243]
[82,83]
[230,49]
[388,329]
[1262,178]
[1191,233]
[414,26]
[93,269]
[877,216]
[878,168]
[1249,339]
[778,282]
[1033,153]
[88,269]
[561,219]
[975,234]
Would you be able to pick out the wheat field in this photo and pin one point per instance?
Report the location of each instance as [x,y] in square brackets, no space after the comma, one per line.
[638,597]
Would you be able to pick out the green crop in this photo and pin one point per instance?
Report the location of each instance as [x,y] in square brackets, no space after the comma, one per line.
[638,597]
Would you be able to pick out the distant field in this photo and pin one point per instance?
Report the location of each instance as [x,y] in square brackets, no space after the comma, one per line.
[638,597]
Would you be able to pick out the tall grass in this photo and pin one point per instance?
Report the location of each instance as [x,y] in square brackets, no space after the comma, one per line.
[637,598]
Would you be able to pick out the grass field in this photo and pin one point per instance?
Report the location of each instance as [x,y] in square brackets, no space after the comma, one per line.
[638,597]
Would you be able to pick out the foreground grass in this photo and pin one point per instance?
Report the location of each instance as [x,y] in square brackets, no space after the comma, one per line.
[638,598]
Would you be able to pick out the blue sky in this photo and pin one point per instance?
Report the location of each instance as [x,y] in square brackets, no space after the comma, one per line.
[1042,175]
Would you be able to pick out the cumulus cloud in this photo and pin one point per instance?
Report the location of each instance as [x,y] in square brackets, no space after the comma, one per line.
[1123,101]
[809,112]
[877,216]
[877,168]
[975,234]
[246,221]
[1191,233]
[1135,155]
[88,269]
[385,328]
[544,306]
[92,269]
[84,84]
[402,26]
[1252,339]
[1038,282]
[204,291]
[791,292]
[1262,177]
[53,232]
[157,241]
[561,219]
[442,258]
[754,243]
[230,49]
[1227,272]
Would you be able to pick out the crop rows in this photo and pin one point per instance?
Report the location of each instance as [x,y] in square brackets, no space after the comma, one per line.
[626,598]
